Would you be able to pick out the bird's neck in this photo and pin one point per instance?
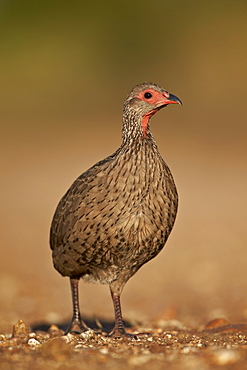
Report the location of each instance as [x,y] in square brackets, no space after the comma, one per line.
[138,139]
[136,127]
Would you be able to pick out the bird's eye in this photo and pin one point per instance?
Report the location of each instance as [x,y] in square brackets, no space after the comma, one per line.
[148,95]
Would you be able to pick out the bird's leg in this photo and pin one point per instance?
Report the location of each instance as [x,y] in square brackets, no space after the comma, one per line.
[76,322]
[119,329]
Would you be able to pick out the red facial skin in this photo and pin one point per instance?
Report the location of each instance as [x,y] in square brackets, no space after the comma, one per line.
[158,99]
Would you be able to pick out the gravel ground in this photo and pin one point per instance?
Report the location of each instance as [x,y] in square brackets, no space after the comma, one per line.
[218,345]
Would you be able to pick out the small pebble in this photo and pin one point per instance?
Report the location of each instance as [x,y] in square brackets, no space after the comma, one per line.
[187,350]
[225,357]
[54,331]
[20,329]
[32,335]
[87,334]
[216,323]
[33,342]
[104,351]
[67,338]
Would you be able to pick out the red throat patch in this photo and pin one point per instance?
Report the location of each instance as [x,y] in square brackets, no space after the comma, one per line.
[145,120]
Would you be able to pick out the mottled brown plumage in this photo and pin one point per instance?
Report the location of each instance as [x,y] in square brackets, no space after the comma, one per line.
[118,214]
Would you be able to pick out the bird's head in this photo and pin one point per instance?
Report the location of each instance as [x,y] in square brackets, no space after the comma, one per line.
[145,100]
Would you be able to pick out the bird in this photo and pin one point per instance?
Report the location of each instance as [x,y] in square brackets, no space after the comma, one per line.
[118,214]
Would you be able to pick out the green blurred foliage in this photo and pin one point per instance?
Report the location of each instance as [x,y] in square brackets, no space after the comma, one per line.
[58,57]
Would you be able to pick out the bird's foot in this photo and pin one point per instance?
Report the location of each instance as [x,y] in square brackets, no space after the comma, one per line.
[122,333]
[77,327]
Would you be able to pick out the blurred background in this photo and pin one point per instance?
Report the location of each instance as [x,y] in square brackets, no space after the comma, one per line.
[66,68]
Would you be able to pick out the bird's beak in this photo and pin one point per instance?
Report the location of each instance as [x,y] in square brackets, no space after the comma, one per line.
[172,99]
